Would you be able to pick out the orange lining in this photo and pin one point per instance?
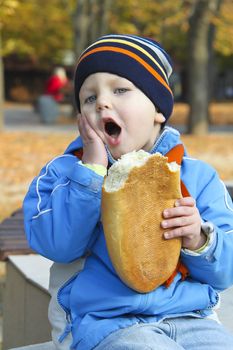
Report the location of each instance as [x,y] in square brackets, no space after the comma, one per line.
[78,153]
[176,155]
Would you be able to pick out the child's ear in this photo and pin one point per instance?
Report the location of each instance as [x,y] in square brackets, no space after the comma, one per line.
[159,118]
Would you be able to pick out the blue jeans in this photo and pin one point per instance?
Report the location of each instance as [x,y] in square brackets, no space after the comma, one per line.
[171,334]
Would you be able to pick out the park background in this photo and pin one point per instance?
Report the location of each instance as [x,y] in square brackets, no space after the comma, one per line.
[38,35]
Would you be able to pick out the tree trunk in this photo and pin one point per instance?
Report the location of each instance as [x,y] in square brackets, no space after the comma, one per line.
[93,21]
[1,87]
[212,66]
[105,6]
[200,42]
[81,23]
[90,21]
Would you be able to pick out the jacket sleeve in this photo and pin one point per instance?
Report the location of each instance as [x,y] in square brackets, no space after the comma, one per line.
[62,209]
[215,265]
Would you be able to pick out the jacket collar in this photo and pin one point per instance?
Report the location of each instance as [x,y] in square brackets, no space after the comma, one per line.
[168,139]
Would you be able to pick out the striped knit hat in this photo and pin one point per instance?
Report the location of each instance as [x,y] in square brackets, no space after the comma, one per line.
[140,60]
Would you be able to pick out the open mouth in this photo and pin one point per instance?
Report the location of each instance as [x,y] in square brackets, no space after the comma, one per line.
[112,129]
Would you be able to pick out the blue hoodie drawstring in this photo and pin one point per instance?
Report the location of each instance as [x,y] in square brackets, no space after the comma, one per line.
[65,333]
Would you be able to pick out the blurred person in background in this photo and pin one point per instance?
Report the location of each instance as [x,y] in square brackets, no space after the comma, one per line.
[54,93]
[56,84]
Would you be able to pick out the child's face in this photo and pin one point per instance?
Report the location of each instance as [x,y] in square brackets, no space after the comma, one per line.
[121,114]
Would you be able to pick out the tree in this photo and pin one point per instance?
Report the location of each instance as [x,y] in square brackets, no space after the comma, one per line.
[163,20]
[187,29]
[8,8]
[1,86]
[200,38]
[39,32]
[91,19]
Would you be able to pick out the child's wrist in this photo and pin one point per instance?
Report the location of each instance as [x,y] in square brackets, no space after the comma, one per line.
[95,158]
[199,250]
[200,244]
[97,168]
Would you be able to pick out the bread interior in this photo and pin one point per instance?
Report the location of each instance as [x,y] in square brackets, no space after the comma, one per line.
[119,171]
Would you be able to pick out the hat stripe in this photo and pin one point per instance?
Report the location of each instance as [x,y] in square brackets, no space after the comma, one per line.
[159,51]
[129,43]
[132,55]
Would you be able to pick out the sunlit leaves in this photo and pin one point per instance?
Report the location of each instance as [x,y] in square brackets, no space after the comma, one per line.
[43,30]
[38,29]
[167,21]
[224,35]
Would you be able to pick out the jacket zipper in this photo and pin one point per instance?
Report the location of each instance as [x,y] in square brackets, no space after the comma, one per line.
[158,141]
[211,306]
[68,326]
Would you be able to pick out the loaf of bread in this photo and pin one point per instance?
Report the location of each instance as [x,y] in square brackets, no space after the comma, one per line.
[139,186]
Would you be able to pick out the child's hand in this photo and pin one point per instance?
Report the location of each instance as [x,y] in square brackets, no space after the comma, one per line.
[184,221]
[94,151]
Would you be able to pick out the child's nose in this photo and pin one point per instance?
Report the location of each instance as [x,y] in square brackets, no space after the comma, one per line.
[103,102]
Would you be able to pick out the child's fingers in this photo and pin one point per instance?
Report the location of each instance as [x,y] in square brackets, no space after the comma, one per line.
[187,201]
[178,222]
[180,216]
[182,207]
[85,129]
[81,128]
[183,220]
[184,231]
[178,211]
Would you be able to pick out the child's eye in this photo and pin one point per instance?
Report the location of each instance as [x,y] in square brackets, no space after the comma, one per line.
[90,99]
[121,90]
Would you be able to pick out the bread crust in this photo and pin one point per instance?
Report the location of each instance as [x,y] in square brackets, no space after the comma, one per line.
[132,217]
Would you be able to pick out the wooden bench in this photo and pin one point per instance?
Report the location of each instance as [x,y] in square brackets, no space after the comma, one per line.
[12,236]
[25,292]
[26,301]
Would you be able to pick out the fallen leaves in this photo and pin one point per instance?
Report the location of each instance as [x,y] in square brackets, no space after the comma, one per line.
[220,113]
[215,149]
[22,156]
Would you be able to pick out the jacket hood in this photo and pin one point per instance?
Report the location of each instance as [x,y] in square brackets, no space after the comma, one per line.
[74,145]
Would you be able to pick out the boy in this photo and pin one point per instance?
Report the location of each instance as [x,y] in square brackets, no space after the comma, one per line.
[124,99]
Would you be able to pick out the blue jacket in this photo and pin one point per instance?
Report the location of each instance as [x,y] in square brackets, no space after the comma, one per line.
[63,223]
